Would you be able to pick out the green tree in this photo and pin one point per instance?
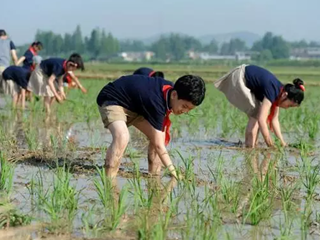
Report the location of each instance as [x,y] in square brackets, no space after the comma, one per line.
[57,44]
[212,47]
[177,46]
[94,42]
[109,44]
[314,44]
[161,48]
[233,46]
[67,43]
[77,41]
[192,43]
[132,45]
[278,47]
[299,44]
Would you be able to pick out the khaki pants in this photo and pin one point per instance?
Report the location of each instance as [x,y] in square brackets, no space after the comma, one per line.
[233,85]
[112,113]
[9,87]
[39,85]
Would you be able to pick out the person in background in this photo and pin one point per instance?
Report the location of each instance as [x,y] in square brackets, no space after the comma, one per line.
[46,80]
[7,51]
[15,82]
[258,93]
[27,58]
[149,72]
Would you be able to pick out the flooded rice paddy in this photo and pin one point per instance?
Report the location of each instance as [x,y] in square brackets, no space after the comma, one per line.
[55,185]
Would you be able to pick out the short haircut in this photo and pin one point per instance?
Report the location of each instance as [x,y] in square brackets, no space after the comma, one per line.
[2,33]
[77,59]
[191,88]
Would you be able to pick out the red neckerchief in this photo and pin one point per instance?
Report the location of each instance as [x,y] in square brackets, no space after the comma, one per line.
[151,73]
[69,79]
[31,49]
[34,53]
[65,66]
[166,122]
[275,104]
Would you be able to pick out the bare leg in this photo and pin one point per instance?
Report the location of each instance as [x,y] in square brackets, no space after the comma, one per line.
[154,161]
[120,139]
[15,98]
[52,100]
[252,132]
[47,104]
[23,99]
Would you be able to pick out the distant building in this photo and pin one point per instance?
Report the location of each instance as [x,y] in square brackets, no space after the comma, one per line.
[137,56]
[305,53]
[240,56]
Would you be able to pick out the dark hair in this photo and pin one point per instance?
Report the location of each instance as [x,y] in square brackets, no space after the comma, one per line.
[157,74]
[38,44]
[190,88]
[77,59]
[295,91]
[2,33]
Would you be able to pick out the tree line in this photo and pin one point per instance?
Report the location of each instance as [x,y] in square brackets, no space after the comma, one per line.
[173,46]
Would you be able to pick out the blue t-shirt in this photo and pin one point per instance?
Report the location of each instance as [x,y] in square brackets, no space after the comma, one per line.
[17,74]
[12,46]
[28,61]
[140,94]
[53,66]
[262,83]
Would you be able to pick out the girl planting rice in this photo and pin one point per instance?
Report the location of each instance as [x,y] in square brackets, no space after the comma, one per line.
[46,80]
[257,92]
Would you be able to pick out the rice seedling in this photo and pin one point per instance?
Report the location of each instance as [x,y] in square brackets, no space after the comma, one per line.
[6,175]
[260,201]
[60,200]
[112,201]
[32,139]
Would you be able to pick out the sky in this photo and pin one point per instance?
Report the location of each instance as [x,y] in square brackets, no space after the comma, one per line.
[139,19]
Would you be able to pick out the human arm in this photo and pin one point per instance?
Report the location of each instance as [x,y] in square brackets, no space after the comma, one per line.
[156,137]
[276,127]
[61,89]
[21,59]
[51,80]
[262,121]
[13,53]
[76,80]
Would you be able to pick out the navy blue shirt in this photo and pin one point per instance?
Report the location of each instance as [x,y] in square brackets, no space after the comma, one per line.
[53,66]
[140,94]
[148,72]
[17,74]
[262,83]
[12,46]
[28,61]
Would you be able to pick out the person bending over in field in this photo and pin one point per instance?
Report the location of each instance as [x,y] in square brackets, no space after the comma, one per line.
[257,92]
[148,72]
[28,57]
[46,80]
[15,83]
[146,102]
